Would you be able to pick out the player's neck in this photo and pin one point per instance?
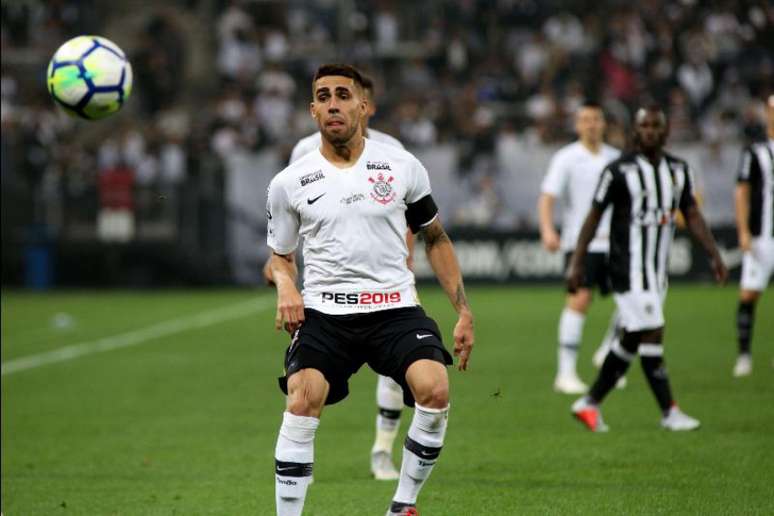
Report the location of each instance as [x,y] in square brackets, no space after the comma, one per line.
[653,155]
[592,146]
[343,155]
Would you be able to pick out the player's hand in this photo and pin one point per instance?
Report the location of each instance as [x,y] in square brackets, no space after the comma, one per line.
[550,240]
[745,241]
[290,309]
[574,278]
[463,339]
[719,269]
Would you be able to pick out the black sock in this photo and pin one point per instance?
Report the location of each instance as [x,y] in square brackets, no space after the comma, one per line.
[656,373]
[745,315]
[613,368]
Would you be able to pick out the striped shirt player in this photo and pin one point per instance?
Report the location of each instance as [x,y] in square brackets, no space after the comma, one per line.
[645,189]
[755,228]
[645,200]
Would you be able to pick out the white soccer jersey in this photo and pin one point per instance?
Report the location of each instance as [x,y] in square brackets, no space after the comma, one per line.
[353,223]
[573,175]
[313,141]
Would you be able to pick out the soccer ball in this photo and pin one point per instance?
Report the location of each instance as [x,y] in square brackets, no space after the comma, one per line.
[89,77]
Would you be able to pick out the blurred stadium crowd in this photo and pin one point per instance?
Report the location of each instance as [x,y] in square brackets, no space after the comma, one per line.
[493,81]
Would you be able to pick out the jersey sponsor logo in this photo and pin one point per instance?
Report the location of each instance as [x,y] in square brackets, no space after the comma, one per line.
[653,217]
[377,165]
[420,337]
[361,298]
[351,199]
[313,200]
[312,177]
[382,190]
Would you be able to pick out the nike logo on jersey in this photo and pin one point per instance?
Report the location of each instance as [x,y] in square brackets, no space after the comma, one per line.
[420,337]
[312,201]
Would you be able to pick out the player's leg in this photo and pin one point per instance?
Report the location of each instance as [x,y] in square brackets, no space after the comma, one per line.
[318,364]
[570,336]
[389,400]
[745,318]
[652,359]
[429,385]
[294,453]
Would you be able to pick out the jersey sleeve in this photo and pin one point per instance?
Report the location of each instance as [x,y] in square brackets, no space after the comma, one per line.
[283,221]
[421,210]
[688,196]
[603,195]
[748,166]
[419,183]
[556,177]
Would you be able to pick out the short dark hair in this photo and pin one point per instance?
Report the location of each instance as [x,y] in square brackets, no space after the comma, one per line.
[343,70]
[591,104]
[368,83]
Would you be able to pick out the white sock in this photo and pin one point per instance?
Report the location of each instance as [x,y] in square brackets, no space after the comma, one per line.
[389,399]
[294,456]
[423,445]
[570,335]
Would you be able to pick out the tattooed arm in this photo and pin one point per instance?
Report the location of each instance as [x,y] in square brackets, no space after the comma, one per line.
[440,253]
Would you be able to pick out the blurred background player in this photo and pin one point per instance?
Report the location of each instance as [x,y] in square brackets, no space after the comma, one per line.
[645,189]
[389,395]
[755,228]
[573,175]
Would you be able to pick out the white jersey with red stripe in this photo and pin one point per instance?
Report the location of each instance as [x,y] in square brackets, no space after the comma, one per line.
[353,224]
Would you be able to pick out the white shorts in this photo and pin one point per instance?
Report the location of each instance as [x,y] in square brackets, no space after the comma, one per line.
[640,310]
[758,265]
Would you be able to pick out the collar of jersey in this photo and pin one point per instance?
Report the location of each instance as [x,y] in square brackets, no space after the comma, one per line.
[339,169]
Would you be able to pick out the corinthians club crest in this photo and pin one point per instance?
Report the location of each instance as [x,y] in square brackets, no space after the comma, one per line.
[383,193]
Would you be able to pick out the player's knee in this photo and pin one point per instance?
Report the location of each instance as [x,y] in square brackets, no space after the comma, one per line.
[580,301]
[433,396]
[303,406]
[748,296]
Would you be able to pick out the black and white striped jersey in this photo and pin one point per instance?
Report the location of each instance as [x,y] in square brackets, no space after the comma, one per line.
[645,200]
[757,169]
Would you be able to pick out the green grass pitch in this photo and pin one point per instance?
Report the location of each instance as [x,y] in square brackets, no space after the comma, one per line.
[181,416]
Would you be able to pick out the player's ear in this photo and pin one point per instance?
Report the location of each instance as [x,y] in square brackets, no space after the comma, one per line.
[311,110]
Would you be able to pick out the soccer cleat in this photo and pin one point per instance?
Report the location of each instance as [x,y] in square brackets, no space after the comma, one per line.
[402,509]
[569,384]
[678,421]
[743,366]
[382,467]
[589,414]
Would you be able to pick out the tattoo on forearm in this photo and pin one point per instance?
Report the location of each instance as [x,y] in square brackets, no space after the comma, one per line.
[434,235]
[460,301]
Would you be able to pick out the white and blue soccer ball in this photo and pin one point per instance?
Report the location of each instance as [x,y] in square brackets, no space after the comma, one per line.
[89,77]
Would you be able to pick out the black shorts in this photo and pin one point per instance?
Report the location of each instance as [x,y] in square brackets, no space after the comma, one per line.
[595,271]
[389,341]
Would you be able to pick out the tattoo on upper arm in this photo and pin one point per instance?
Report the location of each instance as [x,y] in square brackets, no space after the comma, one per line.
[434,234]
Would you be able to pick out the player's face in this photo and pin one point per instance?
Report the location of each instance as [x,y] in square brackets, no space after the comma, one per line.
[770,116]
[590,124]
[338,106]
[650,129]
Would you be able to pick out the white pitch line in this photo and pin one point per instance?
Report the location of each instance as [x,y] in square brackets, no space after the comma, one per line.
[135,337]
